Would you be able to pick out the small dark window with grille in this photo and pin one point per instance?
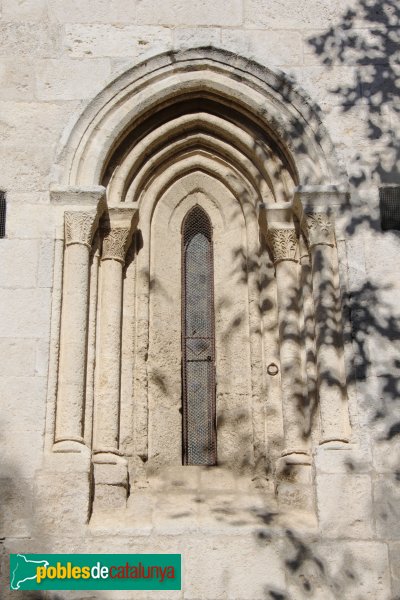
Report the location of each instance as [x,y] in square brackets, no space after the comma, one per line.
[3,207]
[198,340]
[389,203]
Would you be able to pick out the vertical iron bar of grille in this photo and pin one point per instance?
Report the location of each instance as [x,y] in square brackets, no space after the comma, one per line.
[3,209]
[198,341]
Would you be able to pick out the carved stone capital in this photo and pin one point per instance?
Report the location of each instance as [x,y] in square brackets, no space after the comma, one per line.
[319,228]
[117,233]
[283,243]
[80,227]
[115,244]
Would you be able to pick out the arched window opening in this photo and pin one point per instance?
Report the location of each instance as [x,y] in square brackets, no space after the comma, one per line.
[198,341]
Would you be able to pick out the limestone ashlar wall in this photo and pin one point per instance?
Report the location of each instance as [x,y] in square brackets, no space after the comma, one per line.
[55,56]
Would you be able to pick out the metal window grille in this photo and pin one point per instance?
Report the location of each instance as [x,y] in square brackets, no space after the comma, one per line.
[198,341]
[389,203]
[3,209]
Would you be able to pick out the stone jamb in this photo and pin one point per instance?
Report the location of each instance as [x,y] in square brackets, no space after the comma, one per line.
[81,210]
[277,225]
[110,467]
[314,207]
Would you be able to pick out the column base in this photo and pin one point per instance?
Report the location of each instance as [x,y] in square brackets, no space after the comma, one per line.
[74,446]
[111,482]
[294,487]
[63,490]
[338,443]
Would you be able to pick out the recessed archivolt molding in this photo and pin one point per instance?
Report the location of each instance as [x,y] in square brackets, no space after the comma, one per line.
[227,139]
[272,100]
[236,170]
[240,188]
[202,194]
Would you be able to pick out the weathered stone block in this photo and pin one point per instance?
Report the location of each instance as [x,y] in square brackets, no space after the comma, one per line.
[18,263]
[344,459]
[295,497]
[71,79]
[217,479]
[20,321]
[23,404]
[112,40]
[344,128]
[180,478]
[206,568]
[15,506]
[24,10]
[386,452]
[62,500]
[380,256]
[22,410]
[93,11]
[42,357]
[140,506]
[35,197]
[26,169]
[109,497]
[387,506]
[184,12]
[339,46]
[22,454]
[110,474]
[394,555]
[193,37]
[63,460]
[355,569]
[46,263]
[16,79]
[290,14]
[28,125]
[175,513]
[17,357]
[327,85]
[21,39]
[295,485]
[29,221]
[268,47]
[345,505]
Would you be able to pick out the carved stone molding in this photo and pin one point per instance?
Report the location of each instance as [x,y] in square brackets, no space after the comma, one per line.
[283,243]
[319,228]
[80,227]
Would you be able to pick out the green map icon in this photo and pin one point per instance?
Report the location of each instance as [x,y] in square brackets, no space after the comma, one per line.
[24,569]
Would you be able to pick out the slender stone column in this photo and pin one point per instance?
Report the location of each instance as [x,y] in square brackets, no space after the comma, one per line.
[80,225]
[308,331]
[317,222]
[281,236]
[91,352]
[110,467]
[117,236]
[293,469]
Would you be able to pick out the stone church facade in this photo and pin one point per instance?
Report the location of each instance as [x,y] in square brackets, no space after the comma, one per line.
[199,290]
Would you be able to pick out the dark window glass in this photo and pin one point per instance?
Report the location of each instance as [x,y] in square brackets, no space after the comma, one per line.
[389,202]
[3,208]
[198,346]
